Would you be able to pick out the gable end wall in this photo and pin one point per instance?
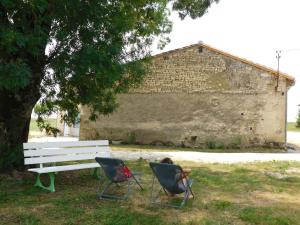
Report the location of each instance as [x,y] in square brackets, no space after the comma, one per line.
[197,98]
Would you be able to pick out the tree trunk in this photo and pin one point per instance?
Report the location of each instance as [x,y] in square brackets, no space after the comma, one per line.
[15,115]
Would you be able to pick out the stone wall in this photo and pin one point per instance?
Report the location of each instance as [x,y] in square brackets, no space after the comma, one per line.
[197,97]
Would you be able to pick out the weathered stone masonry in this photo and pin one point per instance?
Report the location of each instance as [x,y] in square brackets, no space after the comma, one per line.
[199,96]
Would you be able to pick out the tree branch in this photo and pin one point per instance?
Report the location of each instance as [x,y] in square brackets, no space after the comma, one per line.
[53,54]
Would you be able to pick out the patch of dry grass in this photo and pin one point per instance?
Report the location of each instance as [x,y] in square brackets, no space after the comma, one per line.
[225,194]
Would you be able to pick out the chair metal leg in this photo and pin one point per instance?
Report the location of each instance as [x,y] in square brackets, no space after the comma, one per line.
[185,198]
[179,206]
[152,198]
[192,193]
[103,194]
[95,173]
[190,188]
[137,182]
[165,191]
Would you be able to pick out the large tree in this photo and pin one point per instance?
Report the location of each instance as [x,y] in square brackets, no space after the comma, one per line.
[68,53]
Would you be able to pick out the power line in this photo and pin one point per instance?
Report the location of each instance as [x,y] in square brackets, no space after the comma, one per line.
[289,50]
[278,56]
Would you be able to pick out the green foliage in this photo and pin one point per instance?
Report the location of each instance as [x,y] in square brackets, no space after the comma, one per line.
[215,145]
[192,8]
[34,127]
[131,138]
[236,142]
[211,144]
[292,126]
[298,120]
[82,52]
[66,54]
[43,121]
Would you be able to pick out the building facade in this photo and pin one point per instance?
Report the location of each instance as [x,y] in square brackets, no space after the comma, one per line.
[199,96]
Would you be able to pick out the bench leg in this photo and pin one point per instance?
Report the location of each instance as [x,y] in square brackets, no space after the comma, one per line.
[51,186]
[95,173]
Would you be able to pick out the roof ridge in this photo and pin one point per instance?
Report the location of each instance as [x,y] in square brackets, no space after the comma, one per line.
[246,61]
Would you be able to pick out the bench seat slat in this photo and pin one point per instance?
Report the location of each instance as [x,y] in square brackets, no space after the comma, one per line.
[35,145]
[64,158]
[64,151]
[65,168]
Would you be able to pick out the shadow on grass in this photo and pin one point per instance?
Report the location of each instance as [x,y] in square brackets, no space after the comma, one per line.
[225,194]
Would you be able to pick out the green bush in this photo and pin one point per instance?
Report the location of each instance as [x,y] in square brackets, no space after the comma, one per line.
[214,145]
[131,138]
[211,144]
[298,120]
[236,142]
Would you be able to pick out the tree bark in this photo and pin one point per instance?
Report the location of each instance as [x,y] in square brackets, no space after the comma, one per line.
[16,105]
[15,115]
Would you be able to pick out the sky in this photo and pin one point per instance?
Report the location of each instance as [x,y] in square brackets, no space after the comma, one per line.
[251,29]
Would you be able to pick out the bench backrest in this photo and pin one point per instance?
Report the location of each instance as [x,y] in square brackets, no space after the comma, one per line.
[51,152]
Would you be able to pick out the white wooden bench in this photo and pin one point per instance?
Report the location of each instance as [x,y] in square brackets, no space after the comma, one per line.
[46,154]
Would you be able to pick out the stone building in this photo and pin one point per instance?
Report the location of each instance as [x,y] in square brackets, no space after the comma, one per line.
[199,96]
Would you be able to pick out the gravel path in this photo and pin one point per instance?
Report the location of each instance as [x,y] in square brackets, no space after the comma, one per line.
[208,157]
[293,137]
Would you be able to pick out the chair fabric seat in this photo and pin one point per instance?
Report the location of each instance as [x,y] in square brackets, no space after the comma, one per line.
[180,187]
[116,172]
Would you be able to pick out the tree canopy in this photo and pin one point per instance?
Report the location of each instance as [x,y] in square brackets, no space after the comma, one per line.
[70,53]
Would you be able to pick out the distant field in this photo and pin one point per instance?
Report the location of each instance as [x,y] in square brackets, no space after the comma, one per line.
[34,127]
[292,127]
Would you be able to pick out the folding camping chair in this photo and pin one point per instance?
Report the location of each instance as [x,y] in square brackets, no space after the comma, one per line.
[116,172]
[173,181]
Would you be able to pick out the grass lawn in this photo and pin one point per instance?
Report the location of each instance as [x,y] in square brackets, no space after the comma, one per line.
[34,131]
[34,127]
[292,127]
[260,193]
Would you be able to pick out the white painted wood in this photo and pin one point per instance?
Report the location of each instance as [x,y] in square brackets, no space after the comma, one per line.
[65,168]
[63,158]
[52,152]
[41,164]
[36,145]
[64,151]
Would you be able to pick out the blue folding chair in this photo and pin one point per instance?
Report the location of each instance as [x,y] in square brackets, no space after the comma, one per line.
[173,181]
[116,172]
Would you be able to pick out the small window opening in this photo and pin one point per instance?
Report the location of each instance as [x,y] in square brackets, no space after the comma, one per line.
[194,138]
[200,49]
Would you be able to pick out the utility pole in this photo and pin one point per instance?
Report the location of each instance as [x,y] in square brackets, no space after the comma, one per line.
[278,56]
